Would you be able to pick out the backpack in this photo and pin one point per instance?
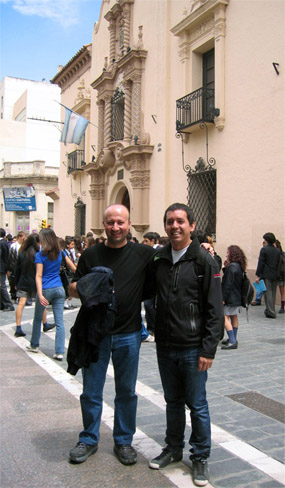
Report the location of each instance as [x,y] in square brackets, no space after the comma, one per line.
[247,293]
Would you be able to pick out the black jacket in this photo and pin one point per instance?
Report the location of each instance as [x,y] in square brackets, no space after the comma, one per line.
[189,309]
[25,274]
[268,263]
[232,284]
[94,320]
[4,256]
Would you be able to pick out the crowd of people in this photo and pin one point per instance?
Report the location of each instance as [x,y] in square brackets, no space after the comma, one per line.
[187,305]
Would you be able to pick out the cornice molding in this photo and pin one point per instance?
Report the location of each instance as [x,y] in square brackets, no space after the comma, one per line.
[198,16]
[81,61]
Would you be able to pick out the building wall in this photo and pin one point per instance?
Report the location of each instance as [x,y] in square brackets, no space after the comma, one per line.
[29,149]
[248,141]
[22,174]
[29,139]
[73,185]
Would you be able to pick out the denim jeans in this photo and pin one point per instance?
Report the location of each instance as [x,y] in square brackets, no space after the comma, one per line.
[258,296]
[184,384]
[124,349]
[56,297]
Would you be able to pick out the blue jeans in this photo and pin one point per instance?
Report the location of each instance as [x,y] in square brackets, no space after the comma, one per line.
[258,296]
[184,384]
[124,349]
[56,297]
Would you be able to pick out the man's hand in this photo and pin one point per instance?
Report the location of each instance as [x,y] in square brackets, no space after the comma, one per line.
[208,248]
[204,363]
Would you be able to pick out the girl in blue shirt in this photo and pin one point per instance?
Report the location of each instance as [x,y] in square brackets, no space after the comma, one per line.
[49,291]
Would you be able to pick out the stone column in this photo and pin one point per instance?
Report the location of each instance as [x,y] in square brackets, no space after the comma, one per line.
[100,104]
[219,32]
[107,119]
[136,106]
[97,192]
[128,110]
[127,24]
[140,181]
[112,29]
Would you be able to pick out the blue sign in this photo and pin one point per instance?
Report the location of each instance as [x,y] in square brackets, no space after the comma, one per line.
[19,199]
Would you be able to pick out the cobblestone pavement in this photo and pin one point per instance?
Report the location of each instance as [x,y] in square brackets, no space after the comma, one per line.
[41,414]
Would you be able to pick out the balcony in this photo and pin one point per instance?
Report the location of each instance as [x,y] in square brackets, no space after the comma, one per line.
[197,107]
[75,161]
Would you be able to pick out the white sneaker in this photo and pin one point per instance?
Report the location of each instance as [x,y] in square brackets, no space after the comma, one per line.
[150,338]
[32,348]
[58,357]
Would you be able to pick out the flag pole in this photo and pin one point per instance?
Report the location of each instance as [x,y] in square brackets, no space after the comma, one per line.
[89,122]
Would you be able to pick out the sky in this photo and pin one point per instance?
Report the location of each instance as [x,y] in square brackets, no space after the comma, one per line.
[38,35]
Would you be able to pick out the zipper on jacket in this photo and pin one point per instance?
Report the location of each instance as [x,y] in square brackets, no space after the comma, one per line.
[176,273]
[192,318]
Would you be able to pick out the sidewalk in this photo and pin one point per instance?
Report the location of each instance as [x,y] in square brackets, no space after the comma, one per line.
[41,415]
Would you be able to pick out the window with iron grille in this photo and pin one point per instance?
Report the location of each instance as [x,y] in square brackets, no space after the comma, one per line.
[80,217]
[202,199]
[117,120]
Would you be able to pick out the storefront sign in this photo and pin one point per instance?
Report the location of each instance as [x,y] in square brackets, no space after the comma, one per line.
[19,199]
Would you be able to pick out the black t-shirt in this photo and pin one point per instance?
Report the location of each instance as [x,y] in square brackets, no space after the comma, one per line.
[130,267]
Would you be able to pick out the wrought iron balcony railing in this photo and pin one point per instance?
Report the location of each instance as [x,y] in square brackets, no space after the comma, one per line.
[75,160]
[197,107]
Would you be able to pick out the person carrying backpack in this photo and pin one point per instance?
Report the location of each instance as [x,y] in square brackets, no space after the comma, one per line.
[188,322]
[234,268]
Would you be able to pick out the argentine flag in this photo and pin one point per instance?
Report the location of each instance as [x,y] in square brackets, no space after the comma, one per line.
[74,127]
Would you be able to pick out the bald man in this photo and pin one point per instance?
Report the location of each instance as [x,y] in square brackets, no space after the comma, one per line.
[130,263]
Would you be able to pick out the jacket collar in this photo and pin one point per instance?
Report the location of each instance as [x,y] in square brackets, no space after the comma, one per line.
[191,253]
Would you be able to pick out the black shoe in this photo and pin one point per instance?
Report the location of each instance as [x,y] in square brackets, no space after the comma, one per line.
[230,345]
[19,333]
[8,309]
[48,327]
[126,454]
[281,310]
[225,342]
[267,315]
[166,457]
[82,451]
[200,472]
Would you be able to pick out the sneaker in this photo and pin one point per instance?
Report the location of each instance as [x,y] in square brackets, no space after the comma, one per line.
[200,472]
[32,348]
[58,357]
[166,457]
[82,451]
[149,338]
[126,454]
[47,327]
[19,333]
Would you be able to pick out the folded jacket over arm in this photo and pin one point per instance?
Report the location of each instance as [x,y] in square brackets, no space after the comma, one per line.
[95,318]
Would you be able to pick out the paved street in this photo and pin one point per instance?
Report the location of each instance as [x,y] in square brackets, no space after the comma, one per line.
[41,419]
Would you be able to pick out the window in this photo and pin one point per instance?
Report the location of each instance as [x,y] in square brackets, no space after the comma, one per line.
[50,214]
[117,119]
[202,199]
[208,84]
